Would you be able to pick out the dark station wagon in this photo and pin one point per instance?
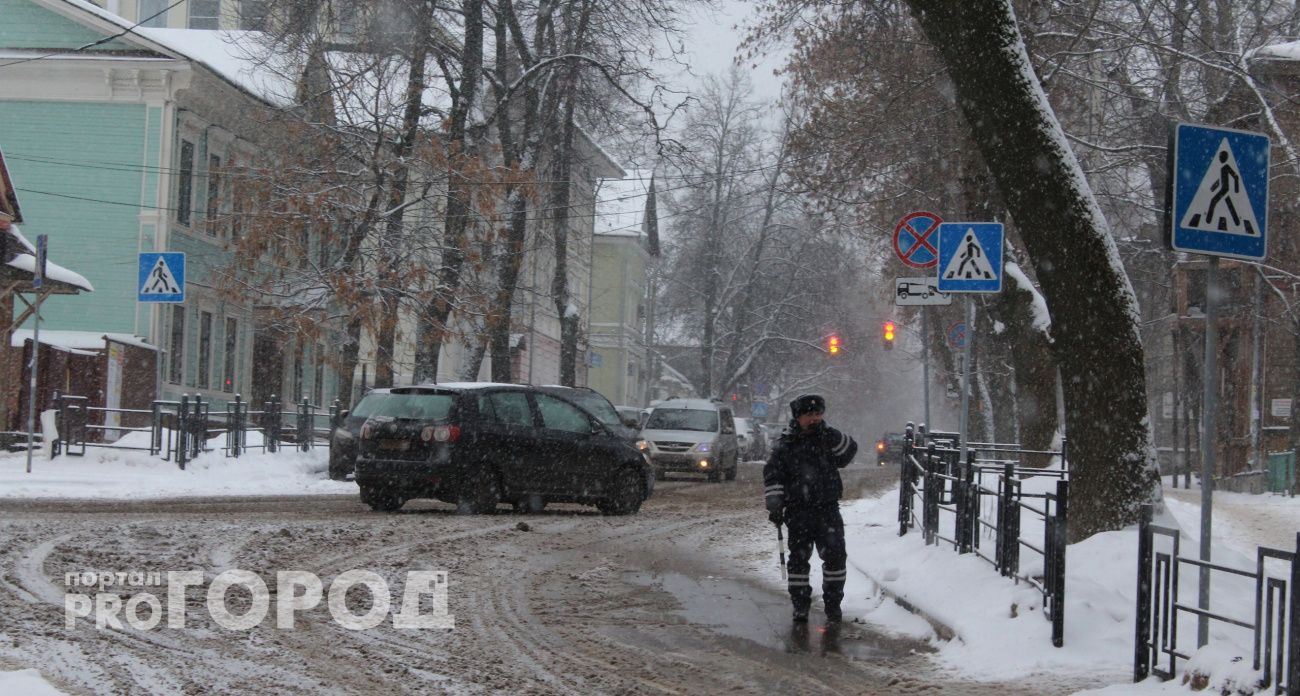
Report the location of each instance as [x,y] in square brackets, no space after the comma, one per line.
[479,444]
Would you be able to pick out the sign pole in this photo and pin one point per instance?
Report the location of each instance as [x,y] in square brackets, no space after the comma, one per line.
[38,281]
[925,363]
[968,339]
[1209,405]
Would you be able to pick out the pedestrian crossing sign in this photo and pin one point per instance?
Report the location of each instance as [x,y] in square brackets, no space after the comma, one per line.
[162,276]
[970,257]
[1219,192]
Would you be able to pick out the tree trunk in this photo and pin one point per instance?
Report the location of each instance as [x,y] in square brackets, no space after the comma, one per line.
[560,202]
[508,270]
[394,222]
[436,313]
[1094,312]
[348,361]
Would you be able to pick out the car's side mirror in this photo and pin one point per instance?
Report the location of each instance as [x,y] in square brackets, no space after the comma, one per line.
[344,413]
[630,421]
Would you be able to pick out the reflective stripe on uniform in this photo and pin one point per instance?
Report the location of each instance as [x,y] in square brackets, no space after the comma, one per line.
[774,488]
[842,446]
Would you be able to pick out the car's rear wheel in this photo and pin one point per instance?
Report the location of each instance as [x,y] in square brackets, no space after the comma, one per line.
[381,499]
[479,493]
[625,494]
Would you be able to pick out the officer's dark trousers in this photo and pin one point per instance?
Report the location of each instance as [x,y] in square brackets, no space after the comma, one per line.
[821,527]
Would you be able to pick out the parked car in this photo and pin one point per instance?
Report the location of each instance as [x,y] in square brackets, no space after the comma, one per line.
[479,444]
[889,449]
[759,448]
[772,432]
[744,438]
[692,435]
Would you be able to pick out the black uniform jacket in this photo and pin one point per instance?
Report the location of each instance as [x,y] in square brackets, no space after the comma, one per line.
[803,469]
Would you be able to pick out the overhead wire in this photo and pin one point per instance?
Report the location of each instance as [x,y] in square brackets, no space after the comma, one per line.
[99,42]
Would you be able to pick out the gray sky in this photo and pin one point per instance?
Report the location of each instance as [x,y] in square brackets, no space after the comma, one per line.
[712,43]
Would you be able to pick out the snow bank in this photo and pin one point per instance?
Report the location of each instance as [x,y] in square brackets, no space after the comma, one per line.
[117,474]
[27,682]
[999,630]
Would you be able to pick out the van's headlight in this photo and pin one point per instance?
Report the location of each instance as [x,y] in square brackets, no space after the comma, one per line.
[643,445]
[703,447]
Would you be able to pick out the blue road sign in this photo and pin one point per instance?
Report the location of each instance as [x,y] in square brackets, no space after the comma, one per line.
[162,276]
[957,335]
[1220,192]
[758,409]
[970,257]
[42,254]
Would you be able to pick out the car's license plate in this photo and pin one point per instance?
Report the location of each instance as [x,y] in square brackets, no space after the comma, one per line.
[395,445]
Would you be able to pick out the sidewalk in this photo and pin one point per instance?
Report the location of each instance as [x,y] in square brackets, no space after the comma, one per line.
[1241,521]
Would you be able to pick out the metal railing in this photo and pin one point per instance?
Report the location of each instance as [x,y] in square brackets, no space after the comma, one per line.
[935,476]
[182,430]
[1275,627]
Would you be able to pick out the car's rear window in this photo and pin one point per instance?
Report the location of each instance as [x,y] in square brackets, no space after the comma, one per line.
[421,406]
[682,419]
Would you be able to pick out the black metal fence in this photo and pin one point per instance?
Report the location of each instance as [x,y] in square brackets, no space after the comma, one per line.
[1275,627]
[933,474]
[182,430]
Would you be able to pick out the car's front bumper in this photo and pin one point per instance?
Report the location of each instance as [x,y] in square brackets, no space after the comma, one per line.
[683,462]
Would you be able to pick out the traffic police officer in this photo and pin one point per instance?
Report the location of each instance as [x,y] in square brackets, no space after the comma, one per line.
[802,488]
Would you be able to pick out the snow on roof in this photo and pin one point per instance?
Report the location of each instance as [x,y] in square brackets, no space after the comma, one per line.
[621,204]
[472,385]
[1281,51]
[231,55]
[234,56]
[26,261]
[86,342]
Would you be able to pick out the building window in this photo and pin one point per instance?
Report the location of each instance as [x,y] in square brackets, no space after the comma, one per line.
[205,14]
[213,208]
[185,186]
[176,350]
[153,13]
[297,374]
[253,15]
[318,385]
[232,348]
[205,350]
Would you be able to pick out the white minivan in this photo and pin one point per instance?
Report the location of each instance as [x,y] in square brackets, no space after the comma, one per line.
[692,435]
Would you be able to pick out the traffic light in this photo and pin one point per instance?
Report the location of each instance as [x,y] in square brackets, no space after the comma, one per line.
[889,335]
[833,345]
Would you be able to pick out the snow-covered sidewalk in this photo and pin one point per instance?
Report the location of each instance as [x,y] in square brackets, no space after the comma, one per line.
[120,474]
[999,631]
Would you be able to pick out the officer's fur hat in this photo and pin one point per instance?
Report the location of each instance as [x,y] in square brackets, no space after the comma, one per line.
[808,403]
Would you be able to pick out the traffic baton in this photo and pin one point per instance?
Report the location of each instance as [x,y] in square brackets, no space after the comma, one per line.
[780,550]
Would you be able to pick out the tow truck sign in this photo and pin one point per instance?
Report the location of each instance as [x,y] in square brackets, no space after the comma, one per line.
[909,292]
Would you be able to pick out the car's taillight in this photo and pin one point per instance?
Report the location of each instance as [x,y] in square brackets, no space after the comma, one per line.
[441,433]
[880,446]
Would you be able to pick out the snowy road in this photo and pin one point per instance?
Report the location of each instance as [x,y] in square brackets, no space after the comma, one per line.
[664,602]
